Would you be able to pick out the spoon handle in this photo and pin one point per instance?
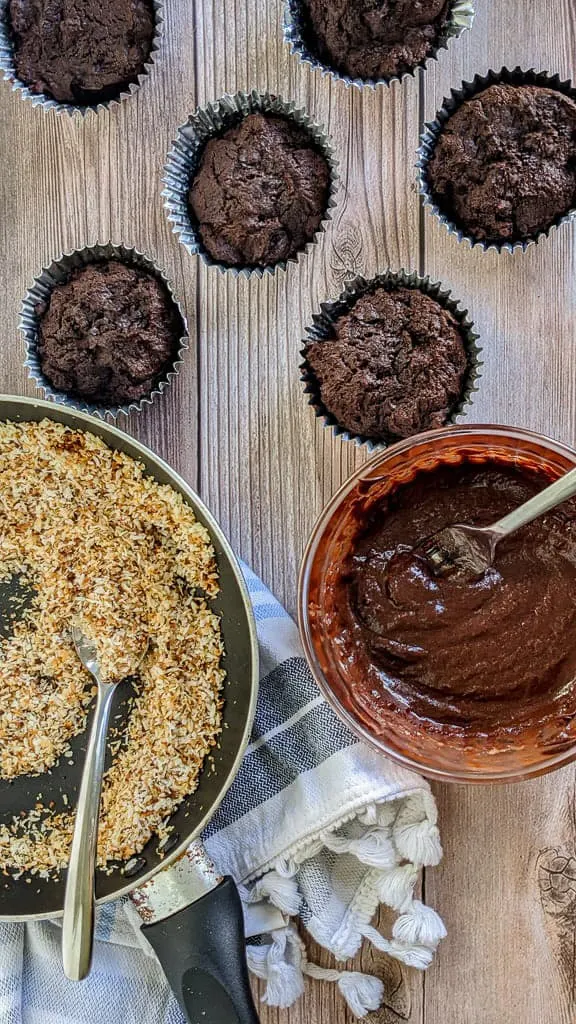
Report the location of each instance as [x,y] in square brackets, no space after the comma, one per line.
[78,922]
[551,496]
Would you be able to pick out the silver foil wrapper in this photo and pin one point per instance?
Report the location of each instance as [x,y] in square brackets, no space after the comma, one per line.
[295,34]
[7,66]
[433,129]
[59,272]
[322,329]
[184,158]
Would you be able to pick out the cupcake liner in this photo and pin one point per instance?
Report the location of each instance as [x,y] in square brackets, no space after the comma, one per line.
[295,32]
[186,152]
[7,66]
[433,129]
[323,330]
[59,272]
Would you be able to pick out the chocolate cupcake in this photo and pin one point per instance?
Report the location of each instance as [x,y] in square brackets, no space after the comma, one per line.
[499,166]
[393,357]
[260,192]
[249,182]
[364,42]
[78,54]
[103,331]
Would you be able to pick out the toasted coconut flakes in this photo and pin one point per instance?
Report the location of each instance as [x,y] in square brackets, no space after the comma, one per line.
[104,545]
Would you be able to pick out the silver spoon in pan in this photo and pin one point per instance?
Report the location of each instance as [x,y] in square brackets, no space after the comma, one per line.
[79,902]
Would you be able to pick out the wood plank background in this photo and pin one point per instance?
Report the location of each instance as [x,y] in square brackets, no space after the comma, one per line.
[237,427]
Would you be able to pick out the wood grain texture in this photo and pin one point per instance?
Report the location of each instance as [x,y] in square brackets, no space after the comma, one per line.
[505,886]
[266,465]
[237,426]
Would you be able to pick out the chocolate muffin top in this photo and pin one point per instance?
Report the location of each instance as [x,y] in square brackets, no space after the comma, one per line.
[504,166]
[108,333]
[260,193]
[395,366]
[81,51]
[373,38]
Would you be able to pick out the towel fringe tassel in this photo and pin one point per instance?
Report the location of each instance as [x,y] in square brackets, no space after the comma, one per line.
[395,836]
[284,962]
[281,890]
[374,849]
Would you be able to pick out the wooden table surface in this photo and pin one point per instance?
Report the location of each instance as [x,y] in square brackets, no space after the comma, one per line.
[236,424]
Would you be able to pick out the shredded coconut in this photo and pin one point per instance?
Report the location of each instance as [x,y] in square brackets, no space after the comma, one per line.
[105,545]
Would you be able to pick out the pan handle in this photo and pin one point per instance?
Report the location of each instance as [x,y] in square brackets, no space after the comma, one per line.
[202,952]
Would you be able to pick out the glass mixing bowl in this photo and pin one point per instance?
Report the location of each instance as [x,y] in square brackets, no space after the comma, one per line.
[518,753]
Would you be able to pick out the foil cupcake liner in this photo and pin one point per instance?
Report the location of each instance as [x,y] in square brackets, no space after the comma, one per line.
[322,329]
[295,33]
[58,273]
[8,67]
[433,129]
[186,152]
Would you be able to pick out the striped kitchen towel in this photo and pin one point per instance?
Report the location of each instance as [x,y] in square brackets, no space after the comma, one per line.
[316,823]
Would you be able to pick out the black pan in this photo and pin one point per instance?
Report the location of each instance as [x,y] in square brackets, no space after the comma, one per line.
[22,900]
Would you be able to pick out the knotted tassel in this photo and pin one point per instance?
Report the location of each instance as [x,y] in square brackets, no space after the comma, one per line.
[282,891]
[362,992]
[284,979]
[374,849]
[412,955]
[420,925]
[396,887]
[416,835]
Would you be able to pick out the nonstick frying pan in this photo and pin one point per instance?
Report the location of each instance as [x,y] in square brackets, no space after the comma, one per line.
[204,926]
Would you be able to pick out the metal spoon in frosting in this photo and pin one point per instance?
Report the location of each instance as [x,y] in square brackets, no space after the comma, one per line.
[470,550]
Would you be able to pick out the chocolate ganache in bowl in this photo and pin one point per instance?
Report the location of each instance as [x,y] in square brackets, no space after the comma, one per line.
[470,679]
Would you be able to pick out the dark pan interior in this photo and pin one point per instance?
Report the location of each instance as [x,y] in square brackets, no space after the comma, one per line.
[29,896]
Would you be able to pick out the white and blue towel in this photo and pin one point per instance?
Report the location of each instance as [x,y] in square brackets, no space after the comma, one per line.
[316,823]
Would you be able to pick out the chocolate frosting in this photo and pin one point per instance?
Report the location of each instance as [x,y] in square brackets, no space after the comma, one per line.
[483,655]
